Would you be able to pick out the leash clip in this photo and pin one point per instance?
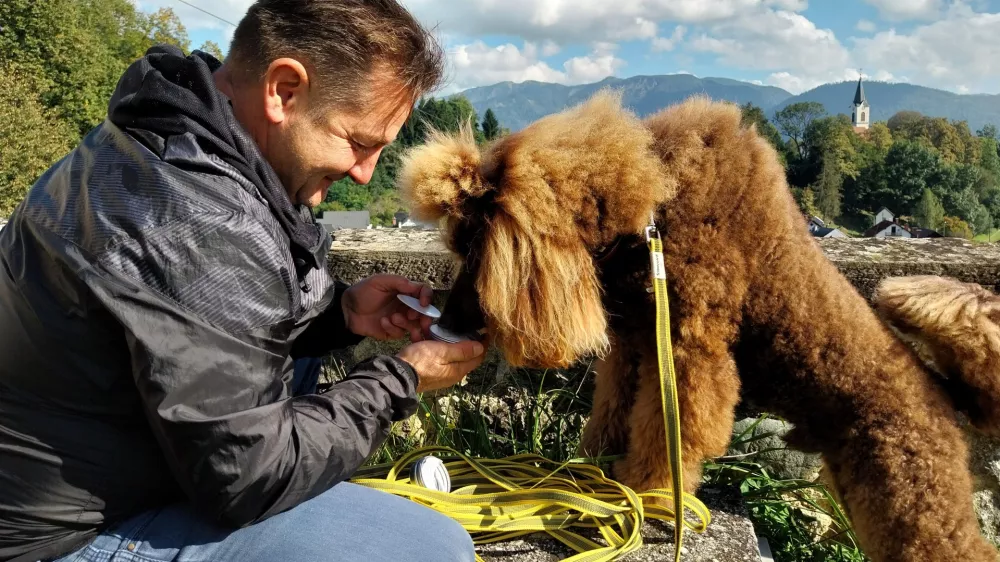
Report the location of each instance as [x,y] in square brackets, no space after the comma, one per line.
[651,231]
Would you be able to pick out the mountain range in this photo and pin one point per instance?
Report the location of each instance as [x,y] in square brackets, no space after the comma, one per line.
[518,104]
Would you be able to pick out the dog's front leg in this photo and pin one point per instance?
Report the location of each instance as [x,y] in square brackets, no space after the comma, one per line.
[607,430]
[708,391]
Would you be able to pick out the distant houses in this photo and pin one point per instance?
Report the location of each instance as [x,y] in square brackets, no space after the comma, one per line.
[403,219]
[337,220]
[819,229]
[887,226]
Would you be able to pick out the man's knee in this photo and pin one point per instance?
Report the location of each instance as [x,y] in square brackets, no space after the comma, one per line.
[452,540]
[395,528]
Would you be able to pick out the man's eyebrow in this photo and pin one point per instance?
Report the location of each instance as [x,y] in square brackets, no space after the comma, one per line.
[371,140]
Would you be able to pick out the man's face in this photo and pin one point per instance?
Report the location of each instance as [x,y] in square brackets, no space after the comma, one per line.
[311,150]
[309,143]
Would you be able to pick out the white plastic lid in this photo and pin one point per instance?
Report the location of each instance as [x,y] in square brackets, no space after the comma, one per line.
[431,473]
[413,303]
[441,334]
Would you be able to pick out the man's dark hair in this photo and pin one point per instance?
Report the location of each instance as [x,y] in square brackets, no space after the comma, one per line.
[341,43]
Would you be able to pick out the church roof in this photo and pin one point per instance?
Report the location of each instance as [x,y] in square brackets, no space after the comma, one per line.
[859,95]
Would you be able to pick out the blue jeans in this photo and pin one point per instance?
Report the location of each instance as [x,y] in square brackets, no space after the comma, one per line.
[347,523]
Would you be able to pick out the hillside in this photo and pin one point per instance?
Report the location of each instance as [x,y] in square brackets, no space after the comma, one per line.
[517,105]
[887,99]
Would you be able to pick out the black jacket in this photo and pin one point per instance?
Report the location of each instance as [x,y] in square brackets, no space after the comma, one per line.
[155,286]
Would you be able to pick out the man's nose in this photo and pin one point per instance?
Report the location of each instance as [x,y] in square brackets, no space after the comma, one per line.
[364,168]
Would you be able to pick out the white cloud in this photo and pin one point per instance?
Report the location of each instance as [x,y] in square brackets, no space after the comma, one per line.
[582,21]
[550,48]
[798,54]
[962,50]
[958,51]
[865,25]
[478,64]
[908,9]
[669,43]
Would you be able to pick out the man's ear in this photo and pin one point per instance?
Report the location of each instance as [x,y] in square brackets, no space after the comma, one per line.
[438,176]
[286,89]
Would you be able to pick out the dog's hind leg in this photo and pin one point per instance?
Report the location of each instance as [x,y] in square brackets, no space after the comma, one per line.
[607,430]
[904,482]
[708,390]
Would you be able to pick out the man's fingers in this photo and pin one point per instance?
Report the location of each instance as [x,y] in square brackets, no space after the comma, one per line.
[426,294]
[467,366]
[392,331]
[463,351]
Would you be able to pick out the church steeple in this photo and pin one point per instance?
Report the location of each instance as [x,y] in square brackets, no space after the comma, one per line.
[859,95]
[861,116]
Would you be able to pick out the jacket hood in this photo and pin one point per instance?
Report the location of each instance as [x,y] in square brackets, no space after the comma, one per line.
[166,93]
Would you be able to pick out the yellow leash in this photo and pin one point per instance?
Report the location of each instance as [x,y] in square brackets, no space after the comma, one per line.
[503,499]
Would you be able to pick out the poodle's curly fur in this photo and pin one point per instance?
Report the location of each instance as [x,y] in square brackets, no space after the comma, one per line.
[548,222]
[954,327]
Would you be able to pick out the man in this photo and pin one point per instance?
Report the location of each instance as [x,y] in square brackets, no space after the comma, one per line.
[158,283]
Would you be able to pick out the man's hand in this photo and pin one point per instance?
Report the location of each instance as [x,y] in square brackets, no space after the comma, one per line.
[371,308]
[440,365]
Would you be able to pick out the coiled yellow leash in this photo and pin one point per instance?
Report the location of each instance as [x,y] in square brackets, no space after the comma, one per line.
[503,499]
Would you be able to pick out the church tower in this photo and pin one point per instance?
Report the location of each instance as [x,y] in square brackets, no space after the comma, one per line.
[861,117]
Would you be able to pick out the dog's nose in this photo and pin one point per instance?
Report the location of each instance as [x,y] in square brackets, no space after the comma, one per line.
[462,313]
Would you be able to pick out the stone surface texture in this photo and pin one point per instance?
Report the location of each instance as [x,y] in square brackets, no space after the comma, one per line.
[764,445]
[729,538]
[421,255]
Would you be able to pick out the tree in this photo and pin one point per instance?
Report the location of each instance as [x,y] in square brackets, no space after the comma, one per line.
[955,227]
[929,212]
[793,120]
[754,116]
[212,48]
[880,137]
[73,52]
[163,27]
[989,163]
[806,199]
[491,127]
[989,131]
[909,169]
[33,138]
[828,190]
[906,125]
[982,221]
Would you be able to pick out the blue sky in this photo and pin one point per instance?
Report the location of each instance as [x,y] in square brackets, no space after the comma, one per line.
[794,44]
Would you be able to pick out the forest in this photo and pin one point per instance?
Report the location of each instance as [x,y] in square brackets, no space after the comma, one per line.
[929,171]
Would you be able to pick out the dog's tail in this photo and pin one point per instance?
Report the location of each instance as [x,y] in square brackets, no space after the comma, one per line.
[955,329]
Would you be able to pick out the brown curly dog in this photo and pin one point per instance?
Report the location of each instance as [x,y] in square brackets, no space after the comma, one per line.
[548,223]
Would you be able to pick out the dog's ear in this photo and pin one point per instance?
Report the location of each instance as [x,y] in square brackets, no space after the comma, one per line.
[541,298]
[438,176]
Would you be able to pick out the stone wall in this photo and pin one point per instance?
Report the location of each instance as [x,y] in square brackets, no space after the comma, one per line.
[421,256]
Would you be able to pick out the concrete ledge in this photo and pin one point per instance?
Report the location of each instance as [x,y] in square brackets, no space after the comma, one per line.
[729,538]
[422,256]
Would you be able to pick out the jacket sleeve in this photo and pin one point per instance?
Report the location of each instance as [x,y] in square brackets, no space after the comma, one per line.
[240,447]
[328,331]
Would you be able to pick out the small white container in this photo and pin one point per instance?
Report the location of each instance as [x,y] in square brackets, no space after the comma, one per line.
[431,473]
